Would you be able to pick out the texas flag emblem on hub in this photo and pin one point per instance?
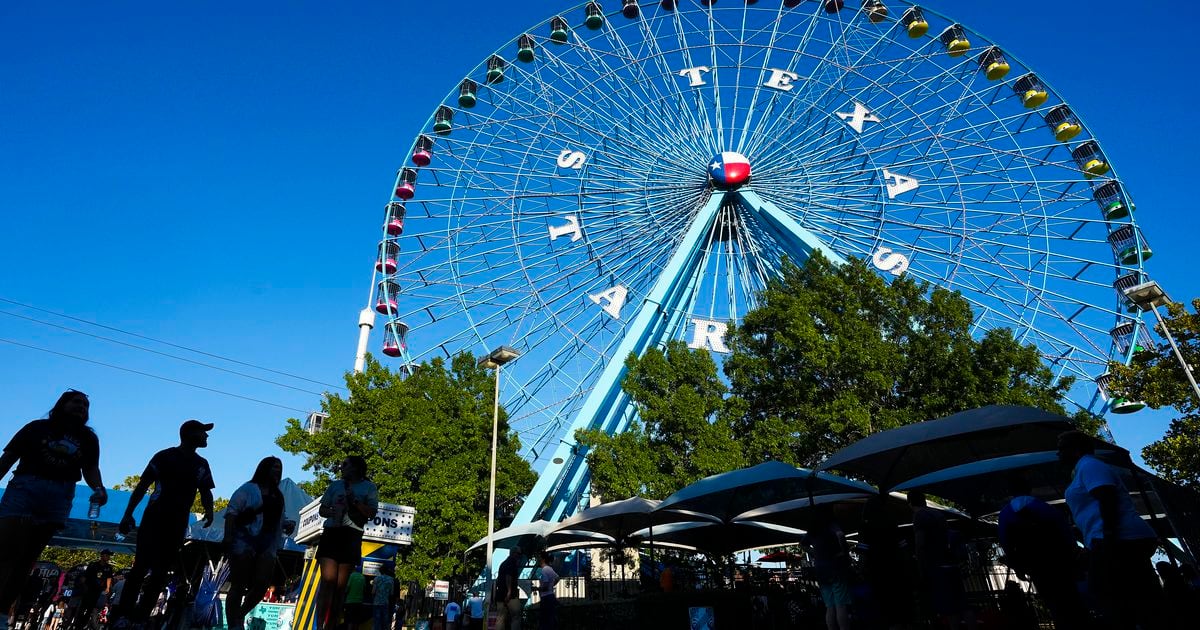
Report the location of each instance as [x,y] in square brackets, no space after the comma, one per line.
[729,169]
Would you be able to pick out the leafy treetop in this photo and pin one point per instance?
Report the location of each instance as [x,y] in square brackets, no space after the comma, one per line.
[1156,377]
[427,441]
[829,355]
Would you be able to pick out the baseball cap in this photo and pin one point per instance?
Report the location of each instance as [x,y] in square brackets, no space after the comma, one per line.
[194,425]
[106,552]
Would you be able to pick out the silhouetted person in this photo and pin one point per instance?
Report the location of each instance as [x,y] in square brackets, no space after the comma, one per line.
[254,529]
[886,567]
[1121,579]
[97,581]
[347,505]
[51,456]
[831,562]
[1181,605]
[508,594]
[1039,545]
[940,575]
[177,473]
[547,581]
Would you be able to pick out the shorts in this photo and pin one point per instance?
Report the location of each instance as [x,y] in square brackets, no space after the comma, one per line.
[835,593]
[341,544]
[45,501]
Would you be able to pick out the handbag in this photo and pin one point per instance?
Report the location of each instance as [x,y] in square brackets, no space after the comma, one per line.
[355,516]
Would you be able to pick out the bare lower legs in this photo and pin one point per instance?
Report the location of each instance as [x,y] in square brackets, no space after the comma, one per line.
[332,593]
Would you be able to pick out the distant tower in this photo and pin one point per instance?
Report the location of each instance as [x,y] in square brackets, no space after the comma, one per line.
[316,421]
[366,321]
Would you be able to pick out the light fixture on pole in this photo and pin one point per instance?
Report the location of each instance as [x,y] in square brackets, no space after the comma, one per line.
[1148,296]
[494,360]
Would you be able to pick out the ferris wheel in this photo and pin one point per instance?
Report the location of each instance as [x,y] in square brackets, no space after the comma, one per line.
[628,172]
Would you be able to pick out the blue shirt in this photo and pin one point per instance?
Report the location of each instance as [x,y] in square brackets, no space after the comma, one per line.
[1091,473]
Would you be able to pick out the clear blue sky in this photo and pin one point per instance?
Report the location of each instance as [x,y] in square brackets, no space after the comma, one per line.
[214,175]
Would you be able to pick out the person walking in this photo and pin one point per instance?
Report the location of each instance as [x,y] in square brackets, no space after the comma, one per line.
[474,611]
[508,594]
[1040,547]
[51,455]
[254,528]
[453,615]
[347,505]
[887,568]
[383,592]
[937,566]
[547,581]
[177,473]
[354,605]
[97,582]
[1121,578]
[831,562]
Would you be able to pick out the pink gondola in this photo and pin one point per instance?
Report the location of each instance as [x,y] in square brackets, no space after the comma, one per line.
[407,187]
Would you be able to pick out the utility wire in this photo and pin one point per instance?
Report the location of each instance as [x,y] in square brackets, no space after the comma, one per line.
[156,376]
[153,351]
[166,343]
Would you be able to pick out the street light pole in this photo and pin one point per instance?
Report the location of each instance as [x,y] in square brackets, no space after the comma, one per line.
[495,359]
[1148,296]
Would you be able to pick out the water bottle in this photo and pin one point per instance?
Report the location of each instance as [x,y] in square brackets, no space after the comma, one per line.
[93,510]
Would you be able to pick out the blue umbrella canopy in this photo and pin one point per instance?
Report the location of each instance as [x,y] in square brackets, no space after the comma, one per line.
[891,457]
[727,495]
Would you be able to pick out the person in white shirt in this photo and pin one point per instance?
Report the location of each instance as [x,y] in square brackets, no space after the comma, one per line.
[347,505]
[1121,578]
[548,600]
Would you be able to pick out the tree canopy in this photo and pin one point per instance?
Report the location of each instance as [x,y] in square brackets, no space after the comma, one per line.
[830,354]
[1156,377]
[684,434]
[427,441]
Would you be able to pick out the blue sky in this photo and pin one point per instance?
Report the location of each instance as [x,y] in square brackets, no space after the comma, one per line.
[214,176]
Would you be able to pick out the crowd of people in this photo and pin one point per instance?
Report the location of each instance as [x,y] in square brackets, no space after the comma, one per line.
[53,454]
[1092,571]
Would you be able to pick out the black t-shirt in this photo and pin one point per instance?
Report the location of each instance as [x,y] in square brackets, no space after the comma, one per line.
[54,450]
[97,575]
[178,474]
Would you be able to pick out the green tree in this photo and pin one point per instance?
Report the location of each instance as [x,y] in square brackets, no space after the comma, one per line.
[684,434]
[830,354]
[131,482]
[1156,377]
[833,353]
[68,557]
[427,441]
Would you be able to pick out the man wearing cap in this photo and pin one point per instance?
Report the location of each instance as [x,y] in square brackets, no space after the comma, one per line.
[177,474]
[97,580]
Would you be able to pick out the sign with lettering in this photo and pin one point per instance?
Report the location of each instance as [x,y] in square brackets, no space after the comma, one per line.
[392,524]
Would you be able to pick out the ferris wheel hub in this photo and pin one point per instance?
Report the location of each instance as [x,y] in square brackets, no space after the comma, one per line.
[729,170]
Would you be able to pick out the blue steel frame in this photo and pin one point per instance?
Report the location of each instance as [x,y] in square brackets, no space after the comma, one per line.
[560,487]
